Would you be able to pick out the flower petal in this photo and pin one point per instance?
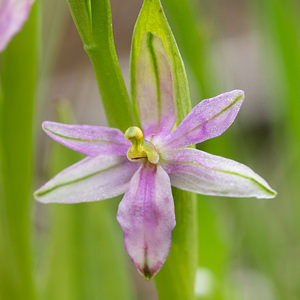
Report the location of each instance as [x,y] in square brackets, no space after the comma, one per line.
[208,119]
[91,179]
[13,14]
[89,140]
[146,215]
[155,88]
[203,173]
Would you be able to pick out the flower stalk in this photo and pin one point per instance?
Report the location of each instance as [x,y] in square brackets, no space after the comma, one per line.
[177,277]
[94,23]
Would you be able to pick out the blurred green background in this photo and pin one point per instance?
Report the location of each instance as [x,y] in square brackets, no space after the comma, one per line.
[248,248]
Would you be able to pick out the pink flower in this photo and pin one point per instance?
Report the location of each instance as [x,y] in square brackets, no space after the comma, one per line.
[13,14]
[144,164]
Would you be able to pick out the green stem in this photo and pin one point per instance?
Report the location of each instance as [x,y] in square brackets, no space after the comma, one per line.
[98,42]
[177,277]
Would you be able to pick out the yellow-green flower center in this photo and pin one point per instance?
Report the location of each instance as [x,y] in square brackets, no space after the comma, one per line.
[140,149]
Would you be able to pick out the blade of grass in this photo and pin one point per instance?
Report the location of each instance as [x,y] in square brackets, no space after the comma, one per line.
[18,87]
[55,18]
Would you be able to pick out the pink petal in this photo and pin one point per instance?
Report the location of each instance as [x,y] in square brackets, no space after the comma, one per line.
[204,173]
[13,14]
[89,140]
[146,215]
[91,179]
[208,119]
[154,88]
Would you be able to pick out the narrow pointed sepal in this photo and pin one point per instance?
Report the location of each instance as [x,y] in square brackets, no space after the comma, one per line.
[87,139]
[91,179]
[208,119]
[200,172]
[147,218]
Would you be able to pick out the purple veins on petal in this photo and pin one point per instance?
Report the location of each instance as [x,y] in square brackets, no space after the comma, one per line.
[87,139]
[13,14]
[147,218]
[154,88]
[200,172]
[208,119]
[91,179]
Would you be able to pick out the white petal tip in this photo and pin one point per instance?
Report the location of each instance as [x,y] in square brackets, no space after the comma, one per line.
[38,195]
[241,92]
[239,95]
[46,125]
[268,194]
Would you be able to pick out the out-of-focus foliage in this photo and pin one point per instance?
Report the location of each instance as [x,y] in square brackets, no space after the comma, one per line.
[261,237]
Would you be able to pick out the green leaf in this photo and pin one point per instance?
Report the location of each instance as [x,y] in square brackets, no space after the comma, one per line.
[177,277]
[18,88]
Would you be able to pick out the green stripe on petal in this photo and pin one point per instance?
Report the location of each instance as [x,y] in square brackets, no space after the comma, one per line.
[45,191]
[204,173]
[91,179]
[87,139]
[153,56]
[154,88]
[270,193]
[208,119]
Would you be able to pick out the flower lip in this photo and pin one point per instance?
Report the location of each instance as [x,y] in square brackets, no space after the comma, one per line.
[141,149]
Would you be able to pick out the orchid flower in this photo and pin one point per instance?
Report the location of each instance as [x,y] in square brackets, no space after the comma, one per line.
[13,14]
[144,163]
